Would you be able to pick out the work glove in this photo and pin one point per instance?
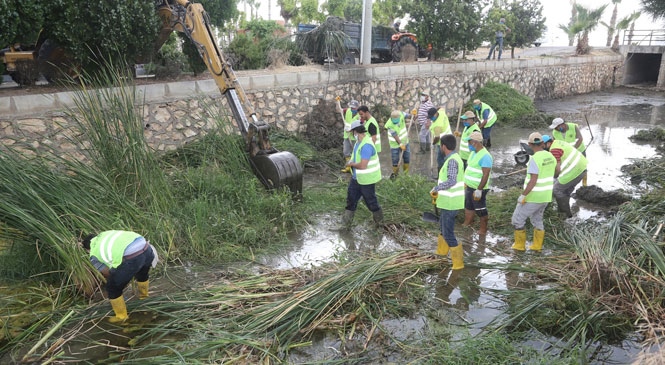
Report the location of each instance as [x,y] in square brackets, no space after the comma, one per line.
[521,199]
[414,112]
[403,147]
[457,134]
[434,194]
[477,194]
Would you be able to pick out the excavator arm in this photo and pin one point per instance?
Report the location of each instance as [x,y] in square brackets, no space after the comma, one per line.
[274,168]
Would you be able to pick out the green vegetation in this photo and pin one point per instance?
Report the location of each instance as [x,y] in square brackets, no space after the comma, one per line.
[512,107]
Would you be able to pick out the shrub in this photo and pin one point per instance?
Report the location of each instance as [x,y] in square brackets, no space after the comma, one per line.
[512,107]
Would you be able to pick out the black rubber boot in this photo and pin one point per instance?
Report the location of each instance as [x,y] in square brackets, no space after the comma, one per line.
[563,206]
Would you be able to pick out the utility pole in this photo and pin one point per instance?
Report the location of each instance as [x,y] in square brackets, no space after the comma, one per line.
[366,34]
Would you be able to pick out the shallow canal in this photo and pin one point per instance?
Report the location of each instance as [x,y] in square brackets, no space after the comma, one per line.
[475,293]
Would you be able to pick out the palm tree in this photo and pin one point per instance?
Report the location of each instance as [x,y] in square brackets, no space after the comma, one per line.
[573,17]
[587,20]
[623,25]
[613,21]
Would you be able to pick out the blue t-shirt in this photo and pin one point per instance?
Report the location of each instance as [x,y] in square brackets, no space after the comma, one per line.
[365,154]
[486,161]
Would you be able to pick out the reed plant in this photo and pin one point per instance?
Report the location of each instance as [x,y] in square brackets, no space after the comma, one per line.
[257,318]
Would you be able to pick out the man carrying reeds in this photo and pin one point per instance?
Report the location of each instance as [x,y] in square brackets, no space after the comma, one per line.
[536,194]
[365,173]
[449,195]
[121,256]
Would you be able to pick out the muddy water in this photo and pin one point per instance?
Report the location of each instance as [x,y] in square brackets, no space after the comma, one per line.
[472,292]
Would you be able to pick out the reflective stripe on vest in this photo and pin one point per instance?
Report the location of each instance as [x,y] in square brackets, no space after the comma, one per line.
[570,136]
[464,150]
[474,173]
[542,192]
[400,129]
[453,197]
[109,246]
[371,174]
[348,119]
[573,163]
[491,118]
[377,143]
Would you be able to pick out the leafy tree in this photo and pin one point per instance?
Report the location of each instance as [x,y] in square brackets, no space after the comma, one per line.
[220,11]
[450,26]
[8,24]
[22,20]
[527,23]
[654,7]
[385,11]
[288,9]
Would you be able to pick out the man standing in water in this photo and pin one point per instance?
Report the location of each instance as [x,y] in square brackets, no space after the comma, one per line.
[536,194]
[424,122]
[365,173]
[477,181]
[449,194]
[569,132]
[570,169]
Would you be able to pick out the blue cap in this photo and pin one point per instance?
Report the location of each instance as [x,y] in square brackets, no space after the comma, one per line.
[546,138]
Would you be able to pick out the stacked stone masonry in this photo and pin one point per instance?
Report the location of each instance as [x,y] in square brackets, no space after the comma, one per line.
[178,112]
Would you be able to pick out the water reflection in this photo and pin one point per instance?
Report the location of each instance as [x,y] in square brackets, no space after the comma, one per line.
[475,293]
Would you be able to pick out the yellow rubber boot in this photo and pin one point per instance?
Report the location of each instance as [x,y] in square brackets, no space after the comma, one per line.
[143,289]
[520,240]
[406,168]
[442,246]
[538,237]
[347,169]
[118,305]
[393,176]
[457,256]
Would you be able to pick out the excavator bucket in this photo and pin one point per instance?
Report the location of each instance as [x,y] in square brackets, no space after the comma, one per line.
[279,169]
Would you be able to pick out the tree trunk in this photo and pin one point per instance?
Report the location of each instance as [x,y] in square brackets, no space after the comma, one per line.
[613,23]
[615,45]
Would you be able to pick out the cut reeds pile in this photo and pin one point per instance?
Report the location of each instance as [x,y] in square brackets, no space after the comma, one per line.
[258,319]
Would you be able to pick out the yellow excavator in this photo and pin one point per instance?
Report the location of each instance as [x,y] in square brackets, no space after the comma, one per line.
[275,169]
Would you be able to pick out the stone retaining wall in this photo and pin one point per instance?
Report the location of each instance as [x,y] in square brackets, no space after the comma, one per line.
[178,112]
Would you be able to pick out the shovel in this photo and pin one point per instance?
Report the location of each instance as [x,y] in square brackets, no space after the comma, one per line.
[431,217]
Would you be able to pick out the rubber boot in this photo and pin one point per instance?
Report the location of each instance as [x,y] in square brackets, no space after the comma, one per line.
[457,256]
[378,217]
[405,168]
[520,240]
[393,176]
[143,289]
[421,151]
[120,309]
[483,225]
[538,237]
[347,218]
[347,169]
[563,205]
[469,215]
[427,147]
[442,248]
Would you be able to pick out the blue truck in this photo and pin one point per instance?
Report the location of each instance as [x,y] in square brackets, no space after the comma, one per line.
[388,45]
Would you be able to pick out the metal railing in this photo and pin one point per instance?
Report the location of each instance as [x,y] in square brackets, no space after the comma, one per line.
[639,37]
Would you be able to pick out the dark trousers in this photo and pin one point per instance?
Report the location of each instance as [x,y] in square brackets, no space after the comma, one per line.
[137,267]
[356,191]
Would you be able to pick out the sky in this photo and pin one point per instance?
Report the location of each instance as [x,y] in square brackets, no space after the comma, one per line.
[556,11]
